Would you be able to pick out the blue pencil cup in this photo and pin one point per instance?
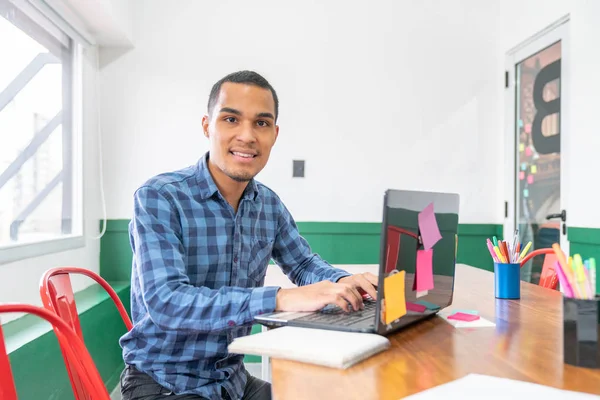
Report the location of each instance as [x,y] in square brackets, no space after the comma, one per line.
[507,281]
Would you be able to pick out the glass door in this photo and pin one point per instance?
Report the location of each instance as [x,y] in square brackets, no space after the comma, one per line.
[536,137]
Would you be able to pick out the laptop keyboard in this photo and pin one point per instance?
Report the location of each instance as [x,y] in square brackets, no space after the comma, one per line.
[333,314]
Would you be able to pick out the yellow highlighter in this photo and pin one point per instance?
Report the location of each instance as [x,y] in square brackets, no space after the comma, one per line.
[500,256]
[580,275]
[525,250]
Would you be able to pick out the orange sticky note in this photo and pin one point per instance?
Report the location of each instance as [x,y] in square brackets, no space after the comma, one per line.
[395,304]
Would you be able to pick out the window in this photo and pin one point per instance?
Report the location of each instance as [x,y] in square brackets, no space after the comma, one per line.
[40,167]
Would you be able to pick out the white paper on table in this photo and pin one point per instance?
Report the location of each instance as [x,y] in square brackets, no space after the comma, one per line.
[479,323]
[476,386]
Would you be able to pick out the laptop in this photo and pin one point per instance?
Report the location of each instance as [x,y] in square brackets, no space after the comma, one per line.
[404,240]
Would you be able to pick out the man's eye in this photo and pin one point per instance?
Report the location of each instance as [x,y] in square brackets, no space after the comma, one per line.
[230,119]
[263,123]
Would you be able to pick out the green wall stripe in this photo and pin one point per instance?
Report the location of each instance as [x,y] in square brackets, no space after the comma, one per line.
[116,225]
[487,230]
[336,242]
[340,228]
[586,242]
[584,235]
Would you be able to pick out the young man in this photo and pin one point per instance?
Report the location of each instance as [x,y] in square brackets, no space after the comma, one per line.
[202,238]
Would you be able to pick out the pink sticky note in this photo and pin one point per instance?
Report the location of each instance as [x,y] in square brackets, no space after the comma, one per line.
[530,179]
[424,275]
[428,227]
[522,175]
[464,317]
[528,151]
[527,128]
[415,307]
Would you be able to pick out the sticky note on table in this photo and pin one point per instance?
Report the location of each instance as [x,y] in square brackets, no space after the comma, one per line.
[463,317]
[424,274]
[428,227]
[395,304]
[420,308]
[474,312]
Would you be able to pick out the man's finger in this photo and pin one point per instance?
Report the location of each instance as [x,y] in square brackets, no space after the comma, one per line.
[341,302]
[371,278]
[351,294]
[367,286]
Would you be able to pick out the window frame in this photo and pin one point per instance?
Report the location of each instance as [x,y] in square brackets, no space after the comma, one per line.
[38,19]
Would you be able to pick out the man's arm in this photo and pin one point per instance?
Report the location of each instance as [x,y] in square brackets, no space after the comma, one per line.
[321,284]
[172,302]
[293,254]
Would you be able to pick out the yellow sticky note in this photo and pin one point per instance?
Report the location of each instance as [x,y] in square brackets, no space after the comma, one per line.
[534,169]
[522,147]
[395,304]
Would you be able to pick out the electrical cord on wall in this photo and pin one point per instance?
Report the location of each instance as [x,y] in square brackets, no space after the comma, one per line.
[99,128]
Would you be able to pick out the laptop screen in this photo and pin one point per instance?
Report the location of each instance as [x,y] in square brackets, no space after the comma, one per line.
[418,256]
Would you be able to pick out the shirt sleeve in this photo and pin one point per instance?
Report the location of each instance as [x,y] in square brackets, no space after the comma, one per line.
[295,257]
[172,302]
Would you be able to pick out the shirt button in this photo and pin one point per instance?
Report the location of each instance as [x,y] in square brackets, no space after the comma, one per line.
[231,323]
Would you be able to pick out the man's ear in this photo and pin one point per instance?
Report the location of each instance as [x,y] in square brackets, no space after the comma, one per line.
[276,134]
[205,123]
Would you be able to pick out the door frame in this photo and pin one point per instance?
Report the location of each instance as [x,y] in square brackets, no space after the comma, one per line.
[558,31]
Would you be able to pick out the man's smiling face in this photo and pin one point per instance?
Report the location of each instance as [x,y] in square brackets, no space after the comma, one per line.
[241,129]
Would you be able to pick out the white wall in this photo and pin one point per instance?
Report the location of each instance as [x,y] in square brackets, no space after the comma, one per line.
[373,95]
[522,19]
[19,281]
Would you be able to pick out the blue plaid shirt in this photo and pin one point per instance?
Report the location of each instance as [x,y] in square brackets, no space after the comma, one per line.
[198,274]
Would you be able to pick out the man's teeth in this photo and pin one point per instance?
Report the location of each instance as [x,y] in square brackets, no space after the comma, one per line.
[245,155]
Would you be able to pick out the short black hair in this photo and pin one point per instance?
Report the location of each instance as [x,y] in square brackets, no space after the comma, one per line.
[245,77]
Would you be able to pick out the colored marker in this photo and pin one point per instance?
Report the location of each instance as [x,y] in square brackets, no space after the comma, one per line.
[593,275]
[525,250]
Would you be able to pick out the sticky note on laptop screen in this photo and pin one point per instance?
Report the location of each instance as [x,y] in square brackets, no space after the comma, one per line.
[428,227]
[395,303]
[424,276]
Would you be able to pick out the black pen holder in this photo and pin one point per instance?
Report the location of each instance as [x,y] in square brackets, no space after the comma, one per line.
[581,325]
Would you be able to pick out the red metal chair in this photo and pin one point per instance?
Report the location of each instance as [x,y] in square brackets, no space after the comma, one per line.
[7,384]
[549,277]
[57,296]
[74,349]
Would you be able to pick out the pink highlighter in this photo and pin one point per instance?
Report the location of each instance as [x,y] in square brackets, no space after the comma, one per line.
[564,282]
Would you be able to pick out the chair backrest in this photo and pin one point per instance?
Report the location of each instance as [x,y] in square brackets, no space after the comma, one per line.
[549,277]
[7,384]
[71,345]
[57,296]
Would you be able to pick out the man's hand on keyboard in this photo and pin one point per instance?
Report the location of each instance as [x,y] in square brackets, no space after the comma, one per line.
[316,296]
[365,283]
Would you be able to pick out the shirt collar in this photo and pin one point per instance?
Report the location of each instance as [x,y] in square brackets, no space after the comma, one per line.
[208,187]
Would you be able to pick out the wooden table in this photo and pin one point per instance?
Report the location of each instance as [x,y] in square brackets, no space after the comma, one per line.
[526,345]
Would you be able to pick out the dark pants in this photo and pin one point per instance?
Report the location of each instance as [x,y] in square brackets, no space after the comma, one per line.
[136,385]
